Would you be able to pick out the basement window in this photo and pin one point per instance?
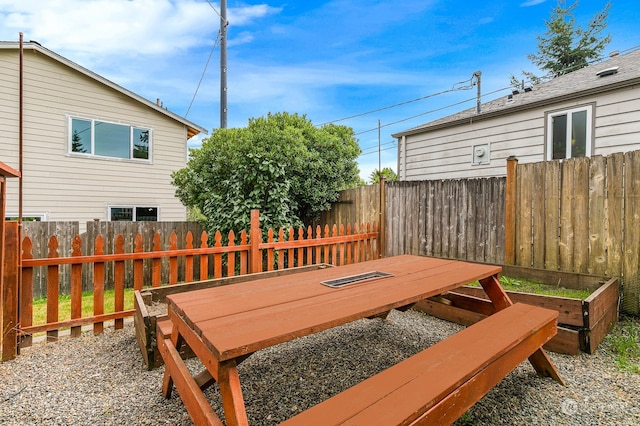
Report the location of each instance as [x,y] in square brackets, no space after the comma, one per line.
[133,214]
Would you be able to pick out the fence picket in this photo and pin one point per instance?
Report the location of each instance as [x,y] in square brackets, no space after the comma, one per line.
[173,260]
[76,287]
[188,259]
[119,278]
[98,285]
[52,289]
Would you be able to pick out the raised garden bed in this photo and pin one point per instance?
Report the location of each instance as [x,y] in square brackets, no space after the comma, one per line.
[151,308]
[582,323]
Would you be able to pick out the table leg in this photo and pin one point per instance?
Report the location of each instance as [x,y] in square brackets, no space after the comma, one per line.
[167,381]
[500,300]
[231,394]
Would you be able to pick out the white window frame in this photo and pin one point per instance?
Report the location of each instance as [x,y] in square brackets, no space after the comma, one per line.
[133,207]
[93,121]
[569,113]
[44,217]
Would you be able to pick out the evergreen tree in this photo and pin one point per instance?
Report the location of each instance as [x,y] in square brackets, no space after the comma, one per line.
[566,47]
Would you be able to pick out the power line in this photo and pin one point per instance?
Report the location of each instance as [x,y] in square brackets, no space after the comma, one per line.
[453,89]
[430,111]
[202,76]
[376,151]
[214,9]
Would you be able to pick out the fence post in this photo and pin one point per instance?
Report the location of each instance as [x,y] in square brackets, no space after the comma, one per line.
[510,213]
[382,228]
[255,238]
[10,291]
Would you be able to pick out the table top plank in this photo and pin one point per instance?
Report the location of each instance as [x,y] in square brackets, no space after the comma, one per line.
[267,312]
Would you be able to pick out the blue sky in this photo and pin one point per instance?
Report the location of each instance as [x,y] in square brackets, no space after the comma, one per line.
[326,59]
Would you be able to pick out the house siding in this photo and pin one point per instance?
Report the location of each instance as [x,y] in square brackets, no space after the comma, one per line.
[69,187]
[446,153]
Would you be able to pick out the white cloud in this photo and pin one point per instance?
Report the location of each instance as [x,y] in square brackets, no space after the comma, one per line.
[119,27]
[532,3]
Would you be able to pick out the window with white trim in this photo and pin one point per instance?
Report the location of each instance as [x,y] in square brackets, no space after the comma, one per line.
[569,133]
[133,214]
[111,140]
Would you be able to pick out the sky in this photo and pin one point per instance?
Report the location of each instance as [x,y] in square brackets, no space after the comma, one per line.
[378,66]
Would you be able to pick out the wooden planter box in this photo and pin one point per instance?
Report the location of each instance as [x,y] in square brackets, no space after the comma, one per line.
[582,324]
[150,307]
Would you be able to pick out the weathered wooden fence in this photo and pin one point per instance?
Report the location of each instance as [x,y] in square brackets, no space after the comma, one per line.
[460,219]
[356,205]
[579,215]
[245,253]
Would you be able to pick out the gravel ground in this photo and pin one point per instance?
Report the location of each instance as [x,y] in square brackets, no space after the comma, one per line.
[102,380]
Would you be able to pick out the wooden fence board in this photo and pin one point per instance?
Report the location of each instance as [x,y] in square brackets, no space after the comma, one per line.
[631,259]
[597,219]
[614,214]
[566,215]
[525,195]
[581,216]
[538,214]
[551,217]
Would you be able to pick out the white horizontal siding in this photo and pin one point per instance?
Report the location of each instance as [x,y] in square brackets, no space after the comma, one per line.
[447,153]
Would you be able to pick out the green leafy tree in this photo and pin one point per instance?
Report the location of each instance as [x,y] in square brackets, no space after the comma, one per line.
[281,164]
[387,173]
[566,47]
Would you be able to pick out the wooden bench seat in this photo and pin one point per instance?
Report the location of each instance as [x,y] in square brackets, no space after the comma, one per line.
[439,384]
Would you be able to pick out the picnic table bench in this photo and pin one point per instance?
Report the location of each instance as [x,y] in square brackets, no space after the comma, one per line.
[225,325]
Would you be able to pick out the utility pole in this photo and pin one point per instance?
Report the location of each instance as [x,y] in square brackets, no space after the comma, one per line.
[223,64]
[478,75]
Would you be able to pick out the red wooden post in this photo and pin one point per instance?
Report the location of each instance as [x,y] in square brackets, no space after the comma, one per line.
[10,290]
[255,238]
[173,260]
[26,294]
[98,285]
[231,256]
[156,263]
[118,277]
[76,286]
[217,257]
[53,272]
[138,264]
[7,172]
[188,259]
[204,258]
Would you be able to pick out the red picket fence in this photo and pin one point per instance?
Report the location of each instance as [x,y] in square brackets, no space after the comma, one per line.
[336,246]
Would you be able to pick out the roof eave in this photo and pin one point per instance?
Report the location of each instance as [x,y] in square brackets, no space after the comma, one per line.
[192,128]
[517,108]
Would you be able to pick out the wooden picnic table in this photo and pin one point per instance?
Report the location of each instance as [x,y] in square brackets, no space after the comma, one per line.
[225,325]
